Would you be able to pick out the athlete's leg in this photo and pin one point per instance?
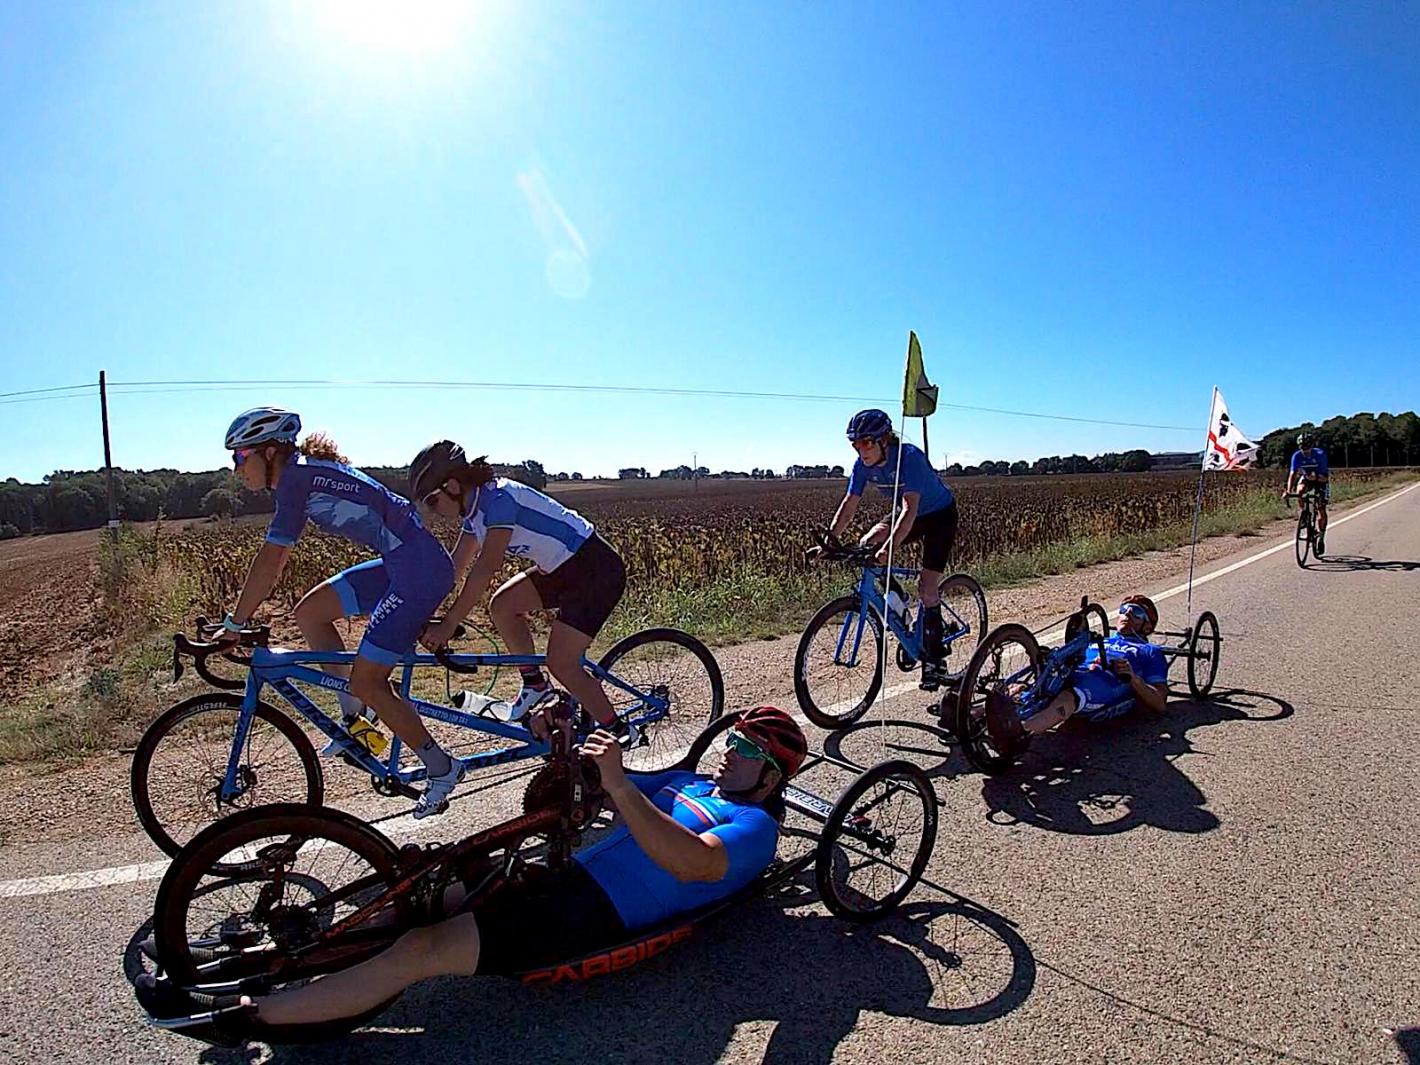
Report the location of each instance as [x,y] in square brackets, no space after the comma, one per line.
[509,609]
[316,615]
[370,683]
[565,648]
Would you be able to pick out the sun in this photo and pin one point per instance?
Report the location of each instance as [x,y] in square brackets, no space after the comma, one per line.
[413,27]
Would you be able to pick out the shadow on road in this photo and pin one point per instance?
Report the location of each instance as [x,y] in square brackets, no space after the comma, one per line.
[792,985]
[1105,778]
[1408,1040]
[923,743]
[1353,563]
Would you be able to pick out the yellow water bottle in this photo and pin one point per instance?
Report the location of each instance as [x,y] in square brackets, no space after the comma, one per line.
[369,737]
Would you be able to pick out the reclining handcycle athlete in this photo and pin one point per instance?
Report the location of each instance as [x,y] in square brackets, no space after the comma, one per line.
[681,841]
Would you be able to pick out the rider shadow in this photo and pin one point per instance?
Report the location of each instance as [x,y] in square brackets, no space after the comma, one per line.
[923,743]
[1097,779]
[1356,563]
[941,960]
[1408,1040]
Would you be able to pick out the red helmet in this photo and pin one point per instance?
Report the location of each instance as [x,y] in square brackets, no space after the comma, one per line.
[1147,604]
[777,734]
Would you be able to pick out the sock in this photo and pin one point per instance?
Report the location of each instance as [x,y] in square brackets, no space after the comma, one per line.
[436,760]
[350,707]
[533,677]
[932,630]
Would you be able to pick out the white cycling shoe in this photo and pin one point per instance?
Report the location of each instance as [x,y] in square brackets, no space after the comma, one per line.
[526,699]
[435,799]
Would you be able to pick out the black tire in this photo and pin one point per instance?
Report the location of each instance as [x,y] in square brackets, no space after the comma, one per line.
[1203,645]
[1082,618]
[964,594]
[1304,537]
[239,913]
[685,672]
[812,686]
[1010,651]
[702,743]
[274,740]
[852,829]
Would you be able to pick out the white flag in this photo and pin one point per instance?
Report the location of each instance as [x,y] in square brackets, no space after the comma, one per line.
[1227,448]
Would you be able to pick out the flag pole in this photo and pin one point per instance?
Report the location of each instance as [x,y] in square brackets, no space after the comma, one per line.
[1198,503]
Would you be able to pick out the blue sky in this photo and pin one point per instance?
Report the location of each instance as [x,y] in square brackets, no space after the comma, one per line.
[1086,209]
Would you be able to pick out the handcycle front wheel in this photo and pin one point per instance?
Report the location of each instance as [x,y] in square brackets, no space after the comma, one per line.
[303,870]
[838,666]
[1010,655]
[877,841]
[1203,643]
[179,765]
[678,689]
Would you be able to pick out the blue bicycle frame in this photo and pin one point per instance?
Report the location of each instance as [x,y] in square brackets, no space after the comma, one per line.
[281,670]
[870,596]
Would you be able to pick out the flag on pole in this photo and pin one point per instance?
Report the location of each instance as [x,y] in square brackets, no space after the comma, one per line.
[1228,448]
[919,396]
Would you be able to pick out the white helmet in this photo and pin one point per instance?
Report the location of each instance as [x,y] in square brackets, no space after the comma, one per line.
[263,425]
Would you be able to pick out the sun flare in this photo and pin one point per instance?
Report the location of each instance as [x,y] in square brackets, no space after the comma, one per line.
[408,26]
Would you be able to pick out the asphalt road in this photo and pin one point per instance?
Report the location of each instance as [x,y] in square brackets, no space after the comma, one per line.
[1234,881]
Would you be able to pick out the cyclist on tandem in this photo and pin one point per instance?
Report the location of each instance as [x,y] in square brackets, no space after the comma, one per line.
[1310,470]
[1135,670]
[682,841]
[928,513]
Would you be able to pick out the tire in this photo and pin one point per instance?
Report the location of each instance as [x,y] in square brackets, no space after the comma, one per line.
[1081,619]
[199,763]
[1304,538]
[819,690]
[843,836]
[1011,651]
[1204,640]
[316,845]
[702,744]
[965,594]
[687,674]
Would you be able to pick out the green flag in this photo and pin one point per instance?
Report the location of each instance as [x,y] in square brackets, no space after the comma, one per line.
[919,396]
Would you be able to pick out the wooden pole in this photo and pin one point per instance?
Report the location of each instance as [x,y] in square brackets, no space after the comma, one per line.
[108,457]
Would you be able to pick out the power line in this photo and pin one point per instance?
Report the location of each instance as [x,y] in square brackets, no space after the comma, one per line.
[57,388]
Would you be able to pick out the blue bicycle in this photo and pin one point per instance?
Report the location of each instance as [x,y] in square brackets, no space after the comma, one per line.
[839,665]
[219,752]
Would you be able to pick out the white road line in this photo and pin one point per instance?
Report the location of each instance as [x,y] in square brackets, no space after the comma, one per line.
[133,874]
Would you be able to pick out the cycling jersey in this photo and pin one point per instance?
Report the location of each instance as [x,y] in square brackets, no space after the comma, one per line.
[1103,695]
[1313,465]
[644,893]
[344,501]
[544,531]
[917,476]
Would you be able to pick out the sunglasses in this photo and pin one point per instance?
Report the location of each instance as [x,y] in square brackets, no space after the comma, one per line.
[240,456]
[864,441]
[747,748]
[1134,610]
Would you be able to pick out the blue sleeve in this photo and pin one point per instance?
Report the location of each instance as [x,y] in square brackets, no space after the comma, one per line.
[750,842]
[1296,461]
[290,517]
[917,472]
[1321,465]
[650,783]
[857,479]
[1156,667]
[500,510]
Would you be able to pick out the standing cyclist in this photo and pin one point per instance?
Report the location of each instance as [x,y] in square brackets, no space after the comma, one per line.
[928,512]
[1309,469]
[576,572]
[398,591]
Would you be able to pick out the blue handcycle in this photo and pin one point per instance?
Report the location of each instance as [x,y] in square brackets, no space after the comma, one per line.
[219,752]
[1011,657]
[839,665]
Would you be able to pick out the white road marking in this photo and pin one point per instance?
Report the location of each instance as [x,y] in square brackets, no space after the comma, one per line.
[133,874]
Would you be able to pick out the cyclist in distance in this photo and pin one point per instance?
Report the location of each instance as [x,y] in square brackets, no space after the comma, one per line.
[928,512]
[576,573]
[681,841]
[397,591]
[1309,469]
[1135,671]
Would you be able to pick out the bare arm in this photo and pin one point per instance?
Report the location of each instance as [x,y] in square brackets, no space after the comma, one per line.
[905,517]
[1154,696]
[485,566]
[261,578]
[843,516]
[465,548]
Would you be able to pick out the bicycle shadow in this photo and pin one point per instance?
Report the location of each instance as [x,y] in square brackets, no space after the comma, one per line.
[944,960]
[1358,563]
[923,743]
[1097,779]
[1408,1040]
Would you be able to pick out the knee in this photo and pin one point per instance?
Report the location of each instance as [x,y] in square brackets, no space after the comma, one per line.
[366,685]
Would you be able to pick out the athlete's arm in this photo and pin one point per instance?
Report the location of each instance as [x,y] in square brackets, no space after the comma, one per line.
[843,516]
[1153,696]
[485,567]
[261,578]
[465,547]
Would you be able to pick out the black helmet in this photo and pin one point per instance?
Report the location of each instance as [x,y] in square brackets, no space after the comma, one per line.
[872,422]
[1304,439]
[435,465]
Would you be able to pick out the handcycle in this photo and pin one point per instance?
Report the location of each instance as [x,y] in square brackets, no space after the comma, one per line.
[837,678]
[220,751]
[1012,657]
[1308,499]
[321,891]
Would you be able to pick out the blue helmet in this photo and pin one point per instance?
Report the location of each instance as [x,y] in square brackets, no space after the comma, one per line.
[263,425]
[872,422]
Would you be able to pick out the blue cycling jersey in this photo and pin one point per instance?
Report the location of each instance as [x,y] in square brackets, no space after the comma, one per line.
[1102,694]
[1313,464]
[344,501]
[544,531]
[917,476]
[644,893]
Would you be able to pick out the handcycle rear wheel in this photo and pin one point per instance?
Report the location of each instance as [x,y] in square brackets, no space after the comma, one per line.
[834,693]
[178,767]
[1204,640]
[877,841]
[671,665]
[303,870]
[1010,653]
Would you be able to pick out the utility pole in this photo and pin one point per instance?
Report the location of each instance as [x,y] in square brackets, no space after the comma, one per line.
[108,457]
[695,471]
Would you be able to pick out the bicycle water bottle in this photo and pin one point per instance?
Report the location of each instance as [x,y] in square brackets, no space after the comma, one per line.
[897,605]
[368,737]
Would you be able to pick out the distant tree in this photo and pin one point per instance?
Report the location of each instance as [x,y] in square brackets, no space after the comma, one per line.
[8,531]
[954,470]
[576,476]
[836,471]
[219,503]
[1019,467]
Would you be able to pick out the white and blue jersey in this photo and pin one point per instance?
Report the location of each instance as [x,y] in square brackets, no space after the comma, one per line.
[917,476]
[544,531]
[1103,695]
[1312,464]
[644,893]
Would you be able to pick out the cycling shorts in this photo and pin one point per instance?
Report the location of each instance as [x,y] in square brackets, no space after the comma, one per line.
[399,593]
[1101,695]
[585,589]
[938,532]
[545,919]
